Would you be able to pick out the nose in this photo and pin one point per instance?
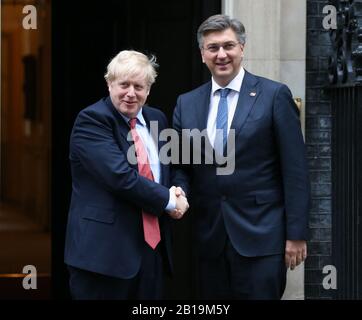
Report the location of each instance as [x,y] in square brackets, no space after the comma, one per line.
[131,91]
[221,53]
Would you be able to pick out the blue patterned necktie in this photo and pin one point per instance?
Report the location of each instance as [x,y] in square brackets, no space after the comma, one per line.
[222,122]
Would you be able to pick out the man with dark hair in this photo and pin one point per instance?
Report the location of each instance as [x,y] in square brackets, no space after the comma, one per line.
[250,225]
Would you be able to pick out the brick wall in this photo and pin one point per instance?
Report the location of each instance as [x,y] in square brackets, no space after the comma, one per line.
[318,141]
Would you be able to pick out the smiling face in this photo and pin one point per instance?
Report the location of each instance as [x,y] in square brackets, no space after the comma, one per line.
[222,53]
[128,95]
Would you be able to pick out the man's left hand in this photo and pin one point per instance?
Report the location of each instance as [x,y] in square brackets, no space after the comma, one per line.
[295,253]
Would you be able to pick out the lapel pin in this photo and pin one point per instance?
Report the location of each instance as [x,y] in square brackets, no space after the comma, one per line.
[252,94]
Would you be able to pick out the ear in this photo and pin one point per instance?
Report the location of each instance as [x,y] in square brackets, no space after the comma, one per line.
[242,50]
[202,56]
[109,85]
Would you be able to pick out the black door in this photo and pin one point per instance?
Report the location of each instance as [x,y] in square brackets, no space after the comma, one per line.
[85,35]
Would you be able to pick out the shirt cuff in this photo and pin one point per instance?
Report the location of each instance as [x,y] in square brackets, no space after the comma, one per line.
[171,202]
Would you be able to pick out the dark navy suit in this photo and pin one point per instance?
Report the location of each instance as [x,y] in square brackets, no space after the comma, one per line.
[266,199]
[104,233]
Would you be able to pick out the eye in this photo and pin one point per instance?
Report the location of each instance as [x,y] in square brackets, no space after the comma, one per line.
[139,87]
[229,46]
[123,85]
[213,48]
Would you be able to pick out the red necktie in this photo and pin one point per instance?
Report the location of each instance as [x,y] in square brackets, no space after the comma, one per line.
[151,228]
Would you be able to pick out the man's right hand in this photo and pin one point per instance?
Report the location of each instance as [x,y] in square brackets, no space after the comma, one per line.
[181,203]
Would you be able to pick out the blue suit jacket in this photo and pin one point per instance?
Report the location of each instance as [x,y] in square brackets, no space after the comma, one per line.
[104,231]
[266,199]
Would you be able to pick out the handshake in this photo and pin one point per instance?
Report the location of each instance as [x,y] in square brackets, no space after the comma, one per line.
[181,203]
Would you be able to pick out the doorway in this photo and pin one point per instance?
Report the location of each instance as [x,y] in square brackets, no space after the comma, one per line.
[84,38]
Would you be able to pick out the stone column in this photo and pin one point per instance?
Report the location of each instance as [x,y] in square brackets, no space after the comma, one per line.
[276,49]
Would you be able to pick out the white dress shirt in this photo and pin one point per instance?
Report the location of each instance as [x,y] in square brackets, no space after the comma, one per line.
[232,100]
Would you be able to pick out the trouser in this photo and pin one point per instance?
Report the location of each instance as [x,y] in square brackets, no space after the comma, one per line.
[232,276]
[146,285]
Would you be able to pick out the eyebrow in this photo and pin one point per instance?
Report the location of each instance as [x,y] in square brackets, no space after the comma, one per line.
[217,43]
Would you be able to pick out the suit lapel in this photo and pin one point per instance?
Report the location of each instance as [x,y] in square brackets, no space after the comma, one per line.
[202,106]
[249,93]
[123,126]
[125,130]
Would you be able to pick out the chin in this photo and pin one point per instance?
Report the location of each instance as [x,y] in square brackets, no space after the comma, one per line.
[224,75]
[226,72]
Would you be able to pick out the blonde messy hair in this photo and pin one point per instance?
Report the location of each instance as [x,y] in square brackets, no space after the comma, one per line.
[129,63]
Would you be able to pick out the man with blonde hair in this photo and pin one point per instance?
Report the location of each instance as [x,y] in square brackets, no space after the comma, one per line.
[118,232]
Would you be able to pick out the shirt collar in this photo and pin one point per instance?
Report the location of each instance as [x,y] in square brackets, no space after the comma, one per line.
[234,84]
[140,119]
